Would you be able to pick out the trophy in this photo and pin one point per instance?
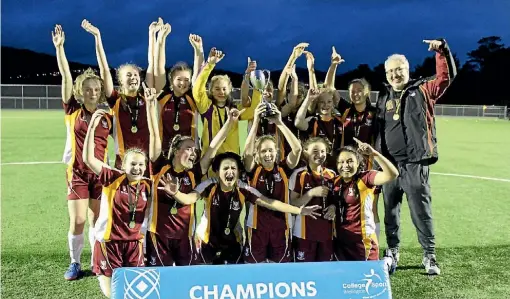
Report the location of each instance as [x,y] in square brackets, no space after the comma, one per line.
[259,81]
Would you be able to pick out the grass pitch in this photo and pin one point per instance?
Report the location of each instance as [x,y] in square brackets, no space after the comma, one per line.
[471,215]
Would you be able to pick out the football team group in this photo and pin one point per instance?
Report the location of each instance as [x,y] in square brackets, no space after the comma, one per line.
[305,188]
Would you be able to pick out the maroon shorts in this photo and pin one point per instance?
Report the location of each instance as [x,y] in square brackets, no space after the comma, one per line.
[312,251]
[161,251]
[83,185]
[116,254]
[264,246]
[227,254]
[351,247]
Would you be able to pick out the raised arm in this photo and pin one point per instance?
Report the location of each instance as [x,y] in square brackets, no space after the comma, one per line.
[198,50]
[160,61]
[310,64]
[295,144]
[63,66]
[101,57]
[200,88]
[284,77]
[214,145]
[300,121]
[336,59]
[153,123]
[389,171]
[245,85]
[154,27]
[88,145]
[445,70]
[249,147]
[294,93]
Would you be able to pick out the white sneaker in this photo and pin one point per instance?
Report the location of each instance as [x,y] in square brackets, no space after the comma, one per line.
[431,265]
[396,254]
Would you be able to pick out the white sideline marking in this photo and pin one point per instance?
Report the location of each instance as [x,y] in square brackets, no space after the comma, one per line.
[472,177]
[32,163]
[436,173]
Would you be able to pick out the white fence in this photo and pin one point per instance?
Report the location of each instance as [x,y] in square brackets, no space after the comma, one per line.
[49,97]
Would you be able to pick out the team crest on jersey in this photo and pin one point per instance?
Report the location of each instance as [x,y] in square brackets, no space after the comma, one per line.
[307,186]
[123,189]
[350,192]
[277,177]
[140,102]
[144,197]
[300,255]
[153,261]
[216,201]
[369,121]
[247,251]
[186,181]
[236,206]
[103,265]
[261,179]
[104,123]
[183,101]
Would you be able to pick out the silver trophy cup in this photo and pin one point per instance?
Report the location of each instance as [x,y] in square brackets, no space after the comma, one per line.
[259,79]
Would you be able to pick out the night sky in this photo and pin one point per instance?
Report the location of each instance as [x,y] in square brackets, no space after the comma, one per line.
[266,30]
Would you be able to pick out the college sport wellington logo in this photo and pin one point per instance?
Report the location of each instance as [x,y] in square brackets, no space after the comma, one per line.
[372,286]
[141,283]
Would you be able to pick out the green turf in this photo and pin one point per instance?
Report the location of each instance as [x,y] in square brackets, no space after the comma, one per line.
[471,215]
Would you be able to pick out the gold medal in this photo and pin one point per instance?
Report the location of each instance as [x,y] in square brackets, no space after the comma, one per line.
[396,117]
[173,210]
[389,105]
[176,127]
[134,129]
[131,224]
[227,231]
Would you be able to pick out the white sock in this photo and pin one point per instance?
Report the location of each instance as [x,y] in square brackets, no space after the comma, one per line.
[104,284]
[75,247]
[92,241]
[378,230]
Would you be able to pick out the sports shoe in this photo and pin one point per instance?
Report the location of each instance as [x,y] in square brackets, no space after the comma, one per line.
[389,261]
[431,265]
[396,254]
[73,272]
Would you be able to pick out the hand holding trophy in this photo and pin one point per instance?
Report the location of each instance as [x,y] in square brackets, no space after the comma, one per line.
[259,79]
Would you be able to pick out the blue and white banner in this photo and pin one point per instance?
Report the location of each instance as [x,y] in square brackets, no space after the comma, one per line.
[331,280]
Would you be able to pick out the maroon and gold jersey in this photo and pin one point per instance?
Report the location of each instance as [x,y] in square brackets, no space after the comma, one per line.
[355,201]
[125,112]
[301,135]
[331,129]
[172,123]
[359,125]
[77,120]
[274,184]
[219,225]
[115,213]
[303,180]
[162,221]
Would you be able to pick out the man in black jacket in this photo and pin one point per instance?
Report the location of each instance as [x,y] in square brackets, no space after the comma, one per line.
[407,136]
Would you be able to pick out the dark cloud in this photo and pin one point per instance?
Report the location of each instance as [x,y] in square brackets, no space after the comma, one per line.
[362,31]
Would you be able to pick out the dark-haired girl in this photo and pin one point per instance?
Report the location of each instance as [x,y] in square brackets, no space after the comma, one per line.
[170,237]
[355,238]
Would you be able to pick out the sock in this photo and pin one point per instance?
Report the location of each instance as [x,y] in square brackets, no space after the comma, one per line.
[92,241]
[75,247]
[378,230]
[104,284]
